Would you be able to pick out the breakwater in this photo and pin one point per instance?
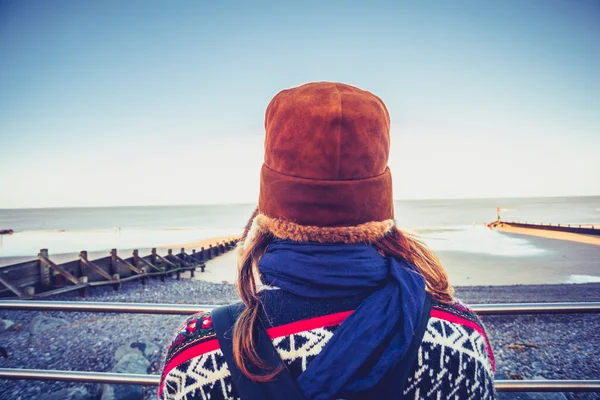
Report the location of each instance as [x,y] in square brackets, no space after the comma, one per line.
[42,277]
[571,228]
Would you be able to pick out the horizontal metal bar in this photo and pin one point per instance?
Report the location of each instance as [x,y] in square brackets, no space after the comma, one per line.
[154,380]
[536,308]
[186,309]
[79,376]
[88,306]
[547,386]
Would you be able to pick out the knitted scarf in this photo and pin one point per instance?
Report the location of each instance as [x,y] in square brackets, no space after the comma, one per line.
[376,336]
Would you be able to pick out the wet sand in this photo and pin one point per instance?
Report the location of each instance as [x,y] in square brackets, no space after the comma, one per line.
[561,262]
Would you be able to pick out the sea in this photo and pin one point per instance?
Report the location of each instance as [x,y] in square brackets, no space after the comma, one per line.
[456,225]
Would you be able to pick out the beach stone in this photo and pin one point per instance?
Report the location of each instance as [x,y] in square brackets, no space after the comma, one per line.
[130,363]
[76,393]
[149,349]
[146,349]
[42,323]
[125,349]
[6,324]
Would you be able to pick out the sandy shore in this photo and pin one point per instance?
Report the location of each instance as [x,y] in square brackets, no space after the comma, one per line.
[202,243]
[568,236]
[560,262]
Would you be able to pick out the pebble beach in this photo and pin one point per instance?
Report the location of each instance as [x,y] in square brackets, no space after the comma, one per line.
[526,347]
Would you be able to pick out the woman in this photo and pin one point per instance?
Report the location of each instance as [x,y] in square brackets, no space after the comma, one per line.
[355,307]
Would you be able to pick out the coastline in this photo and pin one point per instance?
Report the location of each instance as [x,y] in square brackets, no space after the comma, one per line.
[560,260]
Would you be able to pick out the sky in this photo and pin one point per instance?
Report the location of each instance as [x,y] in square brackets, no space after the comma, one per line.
[107,103]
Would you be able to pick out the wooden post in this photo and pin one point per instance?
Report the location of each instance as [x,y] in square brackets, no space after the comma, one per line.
[192,272]
[136,258]
[153,261]
[83,254]
[118,283]
[83,292]
[114,263]
[153,256]
[114,269]
[44,269]
[137,263]
[170,258]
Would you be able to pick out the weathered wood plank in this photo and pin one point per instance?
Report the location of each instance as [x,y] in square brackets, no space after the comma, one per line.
[93,266]
[61,270]
[118,259]
[11,287]
[61,290]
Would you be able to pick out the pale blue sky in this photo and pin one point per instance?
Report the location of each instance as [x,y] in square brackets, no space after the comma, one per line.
[149,102]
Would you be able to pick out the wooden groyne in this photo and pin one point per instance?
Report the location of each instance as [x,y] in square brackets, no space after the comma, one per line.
[42,277]
[585,230]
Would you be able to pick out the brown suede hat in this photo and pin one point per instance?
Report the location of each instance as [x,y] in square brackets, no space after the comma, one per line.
[325,176]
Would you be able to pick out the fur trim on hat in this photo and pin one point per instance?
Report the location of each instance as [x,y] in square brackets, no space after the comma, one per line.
[283,229]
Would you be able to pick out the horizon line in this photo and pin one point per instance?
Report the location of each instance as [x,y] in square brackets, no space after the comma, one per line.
[252,203]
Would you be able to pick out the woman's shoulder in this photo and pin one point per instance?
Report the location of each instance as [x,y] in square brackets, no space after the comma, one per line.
[457,311]
[194,337]
[197,329]
[458,325]
[454,359]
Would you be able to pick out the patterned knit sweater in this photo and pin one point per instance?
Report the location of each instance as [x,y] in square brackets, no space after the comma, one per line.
[454,360]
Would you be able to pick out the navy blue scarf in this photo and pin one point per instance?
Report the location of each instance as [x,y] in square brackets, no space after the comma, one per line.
[376,336]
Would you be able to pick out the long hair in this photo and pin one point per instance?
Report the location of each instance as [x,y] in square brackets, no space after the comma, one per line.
[396,243]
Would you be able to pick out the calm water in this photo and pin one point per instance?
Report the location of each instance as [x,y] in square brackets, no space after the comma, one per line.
[452,225]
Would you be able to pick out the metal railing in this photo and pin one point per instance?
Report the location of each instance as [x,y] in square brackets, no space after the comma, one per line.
[154,380]
[186,309]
